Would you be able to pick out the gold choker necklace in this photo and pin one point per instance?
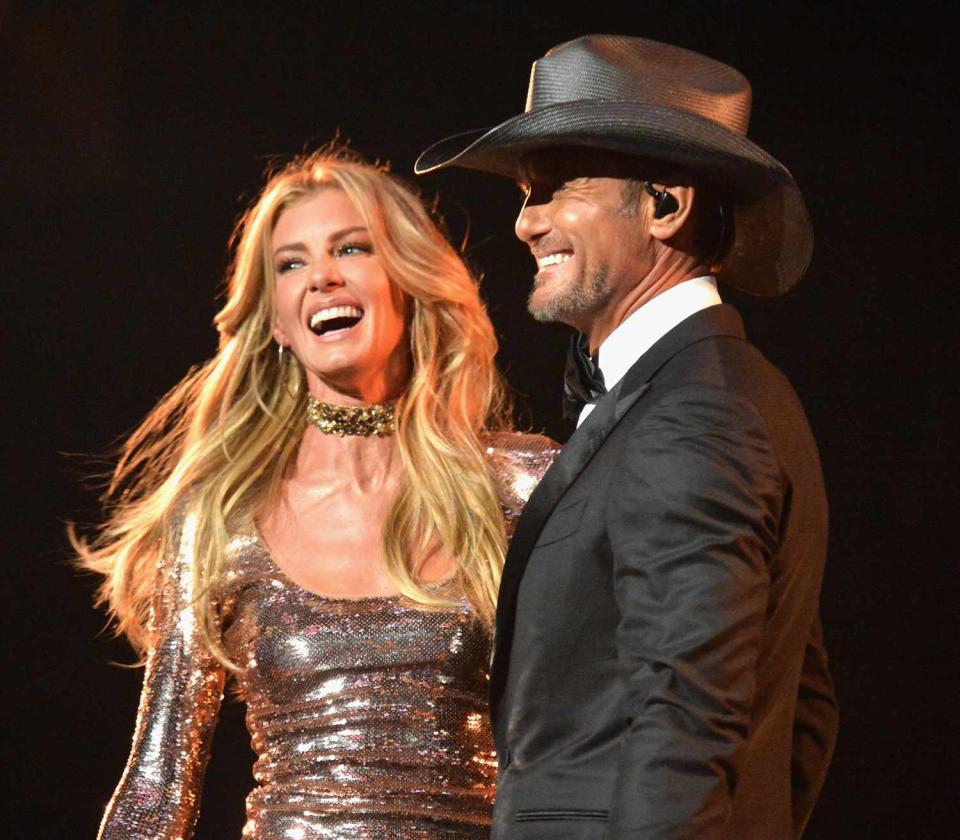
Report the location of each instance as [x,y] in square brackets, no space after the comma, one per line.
[343,420]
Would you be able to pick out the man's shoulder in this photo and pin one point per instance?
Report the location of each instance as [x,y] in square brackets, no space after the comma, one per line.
[722,361]
[709,348]
[721,373]
[725,380]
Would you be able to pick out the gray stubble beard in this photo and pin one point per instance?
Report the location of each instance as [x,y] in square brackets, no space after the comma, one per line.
[573,304]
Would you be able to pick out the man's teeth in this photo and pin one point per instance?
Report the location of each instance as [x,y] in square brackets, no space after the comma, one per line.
[553,259]
[332,312]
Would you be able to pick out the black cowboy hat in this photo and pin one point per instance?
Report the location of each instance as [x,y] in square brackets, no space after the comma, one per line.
[659,103]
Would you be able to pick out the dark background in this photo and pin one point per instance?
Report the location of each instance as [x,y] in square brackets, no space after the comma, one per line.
[130,139]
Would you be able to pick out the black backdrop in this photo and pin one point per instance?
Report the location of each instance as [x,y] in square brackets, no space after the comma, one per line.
[132,137]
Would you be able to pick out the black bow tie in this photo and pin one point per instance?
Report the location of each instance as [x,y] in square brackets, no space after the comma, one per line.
[582,380]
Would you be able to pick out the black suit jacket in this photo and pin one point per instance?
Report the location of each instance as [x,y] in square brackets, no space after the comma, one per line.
[658,668]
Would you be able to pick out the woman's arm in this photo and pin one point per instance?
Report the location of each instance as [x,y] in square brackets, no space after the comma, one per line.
[159,792]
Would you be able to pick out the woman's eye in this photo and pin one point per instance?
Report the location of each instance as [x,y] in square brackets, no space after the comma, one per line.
[288,264]
[350,249]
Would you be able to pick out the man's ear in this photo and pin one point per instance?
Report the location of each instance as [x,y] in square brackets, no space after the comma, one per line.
[678,204]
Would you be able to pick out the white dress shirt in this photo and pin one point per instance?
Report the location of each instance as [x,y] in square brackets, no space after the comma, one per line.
[645,327]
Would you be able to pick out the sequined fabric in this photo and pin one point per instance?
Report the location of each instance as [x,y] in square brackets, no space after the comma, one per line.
[368,716]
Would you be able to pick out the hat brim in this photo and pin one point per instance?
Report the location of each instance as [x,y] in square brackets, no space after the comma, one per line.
[774,238]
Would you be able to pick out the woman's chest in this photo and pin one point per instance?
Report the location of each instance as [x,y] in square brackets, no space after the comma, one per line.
[293,646]
[340,556]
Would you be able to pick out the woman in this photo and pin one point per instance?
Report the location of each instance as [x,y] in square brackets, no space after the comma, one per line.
[320,512]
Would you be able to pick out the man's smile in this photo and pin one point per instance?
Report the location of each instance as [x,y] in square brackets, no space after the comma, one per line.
[555,258]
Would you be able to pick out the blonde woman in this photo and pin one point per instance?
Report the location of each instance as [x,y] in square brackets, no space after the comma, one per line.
[319,512]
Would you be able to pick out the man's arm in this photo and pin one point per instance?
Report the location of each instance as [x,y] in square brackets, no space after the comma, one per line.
[814,729]
[694,519]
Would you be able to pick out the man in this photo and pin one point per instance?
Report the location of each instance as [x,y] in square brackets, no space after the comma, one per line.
[658,670]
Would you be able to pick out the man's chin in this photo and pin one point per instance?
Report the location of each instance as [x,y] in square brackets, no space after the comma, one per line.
[539,312]
[548,309]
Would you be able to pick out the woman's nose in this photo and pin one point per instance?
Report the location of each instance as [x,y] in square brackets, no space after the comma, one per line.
[325,276]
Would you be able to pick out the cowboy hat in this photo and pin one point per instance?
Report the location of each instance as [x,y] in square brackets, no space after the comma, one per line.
[661,103]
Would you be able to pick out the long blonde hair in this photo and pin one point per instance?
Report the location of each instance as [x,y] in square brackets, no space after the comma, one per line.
[224,437]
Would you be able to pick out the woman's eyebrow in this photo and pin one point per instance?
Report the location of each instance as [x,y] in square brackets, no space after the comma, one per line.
[290,246]
[334,237]
[345,232]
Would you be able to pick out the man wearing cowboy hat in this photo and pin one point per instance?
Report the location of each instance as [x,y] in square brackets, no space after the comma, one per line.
[658,669]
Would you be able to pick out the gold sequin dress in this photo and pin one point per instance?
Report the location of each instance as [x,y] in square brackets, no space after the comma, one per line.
[368,716]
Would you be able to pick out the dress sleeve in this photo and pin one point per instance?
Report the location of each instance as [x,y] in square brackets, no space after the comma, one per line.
[159,793]
[519,462]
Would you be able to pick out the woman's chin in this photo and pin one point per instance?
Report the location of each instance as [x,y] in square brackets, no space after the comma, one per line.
[350,377]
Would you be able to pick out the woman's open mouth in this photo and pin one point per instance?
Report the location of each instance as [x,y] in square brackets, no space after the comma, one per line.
[334,320]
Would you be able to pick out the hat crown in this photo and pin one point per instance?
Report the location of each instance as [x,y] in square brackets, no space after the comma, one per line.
[618,68]
[662,103]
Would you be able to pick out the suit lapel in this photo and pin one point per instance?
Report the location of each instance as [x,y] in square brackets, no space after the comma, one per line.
[583,445]
[572,460]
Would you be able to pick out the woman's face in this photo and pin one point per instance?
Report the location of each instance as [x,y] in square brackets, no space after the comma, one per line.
[335,307]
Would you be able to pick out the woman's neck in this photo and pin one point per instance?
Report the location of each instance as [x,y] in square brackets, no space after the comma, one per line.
[378,386]
[366,463]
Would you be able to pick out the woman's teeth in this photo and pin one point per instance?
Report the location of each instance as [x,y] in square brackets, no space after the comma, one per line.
[553,259]
[334,318]
[334,312]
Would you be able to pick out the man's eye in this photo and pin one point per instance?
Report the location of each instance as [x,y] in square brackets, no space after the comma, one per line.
[288,264]
[350,249]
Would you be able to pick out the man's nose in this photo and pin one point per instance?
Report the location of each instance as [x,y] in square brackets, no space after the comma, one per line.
[532,223]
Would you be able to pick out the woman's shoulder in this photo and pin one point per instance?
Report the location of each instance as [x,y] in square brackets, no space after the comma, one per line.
[182,527]
[519,461]
[535,450]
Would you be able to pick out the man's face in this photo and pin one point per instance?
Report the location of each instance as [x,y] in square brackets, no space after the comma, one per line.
[584,232]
